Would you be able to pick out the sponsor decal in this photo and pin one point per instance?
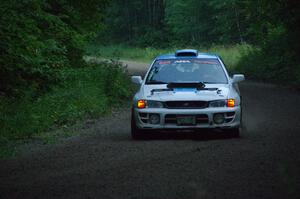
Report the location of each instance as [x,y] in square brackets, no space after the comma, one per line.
[164,62]
[182,61]
[205,62]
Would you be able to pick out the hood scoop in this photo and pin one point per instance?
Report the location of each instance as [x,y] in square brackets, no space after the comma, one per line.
[196,85]
[184,87]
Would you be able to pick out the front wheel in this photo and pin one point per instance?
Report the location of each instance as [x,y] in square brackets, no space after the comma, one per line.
[136,133]
[236,131]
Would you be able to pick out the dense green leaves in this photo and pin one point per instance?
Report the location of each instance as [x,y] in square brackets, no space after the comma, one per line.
[171,22]
[198,21]
[85,92]
[39,37]
[137,22]
[271,26]
[275,29]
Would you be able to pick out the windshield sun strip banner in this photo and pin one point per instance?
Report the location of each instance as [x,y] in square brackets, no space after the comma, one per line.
[197,61]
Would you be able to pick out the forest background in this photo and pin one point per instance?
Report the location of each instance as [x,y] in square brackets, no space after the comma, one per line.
[45,82]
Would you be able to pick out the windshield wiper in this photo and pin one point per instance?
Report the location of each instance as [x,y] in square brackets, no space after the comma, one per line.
[214,82]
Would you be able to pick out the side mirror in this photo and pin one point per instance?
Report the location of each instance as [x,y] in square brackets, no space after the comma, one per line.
[137,79]
[238,78]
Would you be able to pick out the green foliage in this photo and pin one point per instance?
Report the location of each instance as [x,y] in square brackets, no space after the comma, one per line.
[137,22]
[276,59]
[167,23]
[86,92]
[230,54]
[191,21]
[39,38]
[271,26]
[126,52]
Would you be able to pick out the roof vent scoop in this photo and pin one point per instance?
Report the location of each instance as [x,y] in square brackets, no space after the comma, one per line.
[186,53]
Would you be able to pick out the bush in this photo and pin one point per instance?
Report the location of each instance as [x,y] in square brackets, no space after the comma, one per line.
[275,61]
[151,37]
[85,92]
[41,37]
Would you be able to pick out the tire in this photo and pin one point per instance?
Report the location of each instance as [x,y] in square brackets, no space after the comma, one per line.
[235,132]
[136,133]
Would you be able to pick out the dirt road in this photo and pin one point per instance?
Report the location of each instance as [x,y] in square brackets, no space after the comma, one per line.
[103,162]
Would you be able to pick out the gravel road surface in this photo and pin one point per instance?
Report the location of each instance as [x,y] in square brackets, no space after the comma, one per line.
[103,162]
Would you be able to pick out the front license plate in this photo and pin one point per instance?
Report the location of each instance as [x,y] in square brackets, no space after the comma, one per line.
[186,120]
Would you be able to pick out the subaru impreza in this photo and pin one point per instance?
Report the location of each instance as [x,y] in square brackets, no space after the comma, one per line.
[186,90]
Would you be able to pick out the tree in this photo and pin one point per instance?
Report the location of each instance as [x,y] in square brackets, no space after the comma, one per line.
[39,37]
[139,22]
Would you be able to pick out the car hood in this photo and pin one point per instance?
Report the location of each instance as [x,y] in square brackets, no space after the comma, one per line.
[219,91]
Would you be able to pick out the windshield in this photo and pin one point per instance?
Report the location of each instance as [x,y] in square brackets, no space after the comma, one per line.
[187,70]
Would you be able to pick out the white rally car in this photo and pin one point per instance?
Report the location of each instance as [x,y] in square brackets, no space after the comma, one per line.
[186,90]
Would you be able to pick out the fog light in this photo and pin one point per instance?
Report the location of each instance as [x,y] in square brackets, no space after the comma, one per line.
[154,119]
[219,118]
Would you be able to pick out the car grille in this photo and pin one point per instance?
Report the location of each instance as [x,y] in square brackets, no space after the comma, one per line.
[172,119]
[186,104]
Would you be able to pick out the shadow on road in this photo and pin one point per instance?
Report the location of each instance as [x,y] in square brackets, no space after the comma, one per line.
[199,135]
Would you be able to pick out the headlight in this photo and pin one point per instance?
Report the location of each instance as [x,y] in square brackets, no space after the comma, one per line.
[217,103]
[154,104]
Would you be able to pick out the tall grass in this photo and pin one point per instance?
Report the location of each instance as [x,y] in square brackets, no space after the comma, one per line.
[84,92]
[230,54]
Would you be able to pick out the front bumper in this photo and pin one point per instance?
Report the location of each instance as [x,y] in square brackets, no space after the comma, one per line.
[204,118]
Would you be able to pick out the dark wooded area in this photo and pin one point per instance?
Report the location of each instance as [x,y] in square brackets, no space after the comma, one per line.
[44,80]
[39,38]
[270,25]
